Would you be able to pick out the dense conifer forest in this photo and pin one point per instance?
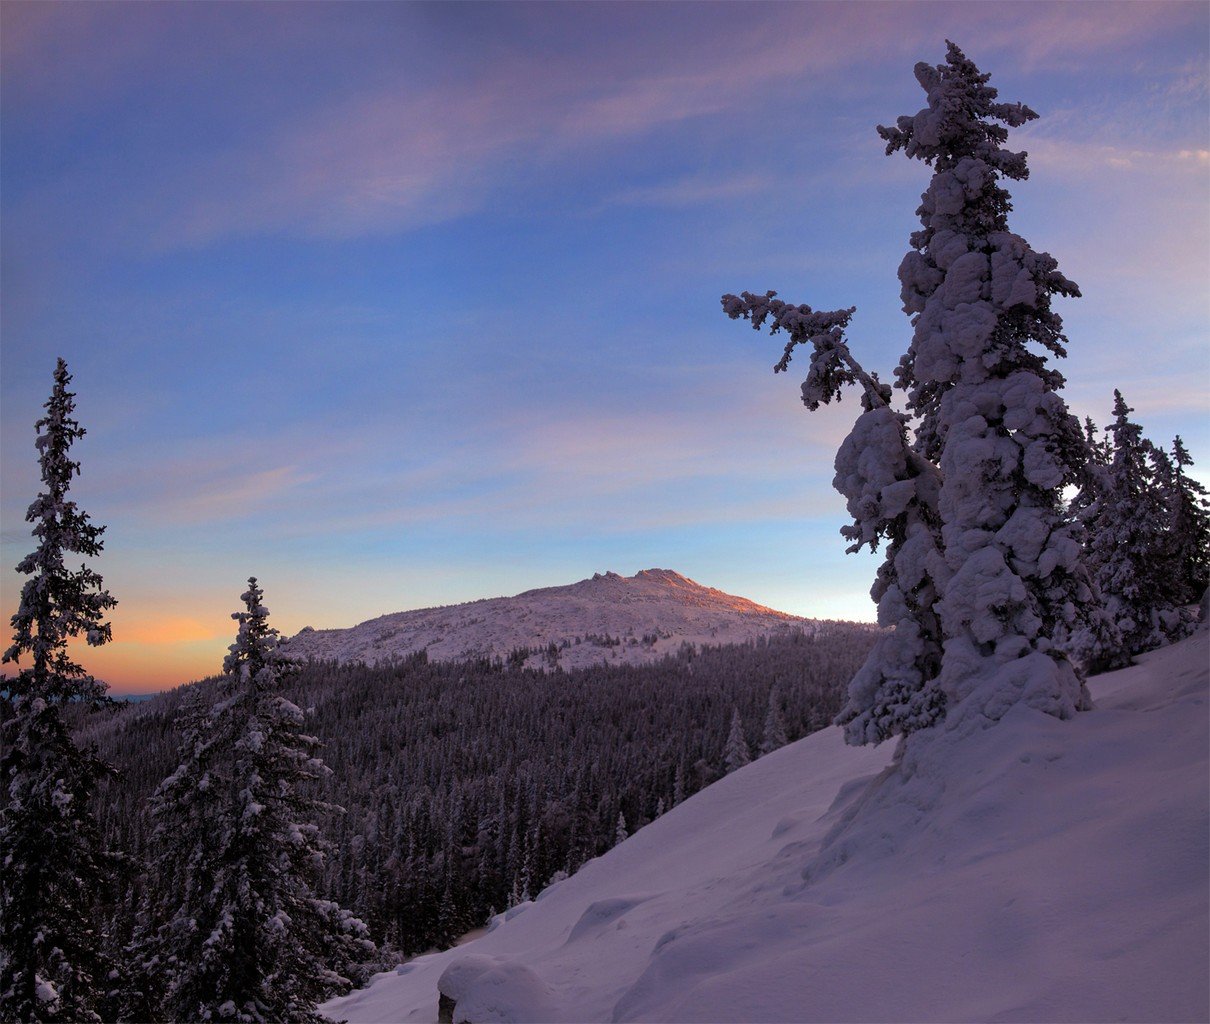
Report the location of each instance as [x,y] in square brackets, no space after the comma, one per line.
[468,786]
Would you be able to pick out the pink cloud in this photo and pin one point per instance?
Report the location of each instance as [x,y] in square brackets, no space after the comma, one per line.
[403,157]
[408,153]
[186,491]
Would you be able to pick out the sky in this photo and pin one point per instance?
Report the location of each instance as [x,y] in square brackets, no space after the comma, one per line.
[399,305]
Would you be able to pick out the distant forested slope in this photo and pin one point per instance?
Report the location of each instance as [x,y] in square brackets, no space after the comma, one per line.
[468,785]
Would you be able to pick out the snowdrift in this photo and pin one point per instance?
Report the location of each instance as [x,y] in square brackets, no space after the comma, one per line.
[1038,870]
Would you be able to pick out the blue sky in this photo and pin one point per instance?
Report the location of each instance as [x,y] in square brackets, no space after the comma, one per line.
[397,305]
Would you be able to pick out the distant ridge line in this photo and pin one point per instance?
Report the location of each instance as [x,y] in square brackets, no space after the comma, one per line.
[605,618]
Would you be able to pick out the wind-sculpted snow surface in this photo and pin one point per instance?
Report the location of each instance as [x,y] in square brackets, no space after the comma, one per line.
[608,618]
[1062,877]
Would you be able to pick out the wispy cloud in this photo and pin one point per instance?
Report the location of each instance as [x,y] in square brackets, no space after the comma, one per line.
[403,157]
[405,153]
[1047,36]
[694,190]
[1087,159]
[185,492]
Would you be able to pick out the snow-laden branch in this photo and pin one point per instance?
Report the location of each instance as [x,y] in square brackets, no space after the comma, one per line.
[891,491]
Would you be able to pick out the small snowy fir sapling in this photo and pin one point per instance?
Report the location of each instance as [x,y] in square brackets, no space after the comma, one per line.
[736,754]
[775,729]
[449,923]
[1127,542]
[621,833]
[514,894]
[1189,527]
[983,580]
[242,933]
[51,966]
[1168,569]
[527,875]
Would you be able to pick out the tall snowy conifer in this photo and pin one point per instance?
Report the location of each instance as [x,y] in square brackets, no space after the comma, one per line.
[988,408]
[243,934]
[50,858]
[983,579]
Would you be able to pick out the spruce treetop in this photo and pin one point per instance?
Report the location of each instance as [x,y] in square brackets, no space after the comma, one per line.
[977,292]
[1180,454]
[1130,451]
[1123,430]
[57,603]
[959,120]
[255,657]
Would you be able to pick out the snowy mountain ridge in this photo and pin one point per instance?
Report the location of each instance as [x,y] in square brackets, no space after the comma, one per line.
[608,617]
[1036,870]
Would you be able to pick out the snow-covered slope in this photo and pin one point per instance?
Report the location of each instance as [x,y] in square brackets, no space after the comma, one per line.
[1037,870]
[619,619]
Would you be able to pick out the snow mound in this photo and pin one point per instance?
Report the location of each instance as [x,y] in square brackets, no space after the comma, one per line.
[495,990]
[1036,870]
[608,618]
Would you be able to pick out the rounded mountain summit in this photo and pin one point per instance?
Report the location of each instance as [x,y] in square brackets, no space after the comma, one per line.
[607,618]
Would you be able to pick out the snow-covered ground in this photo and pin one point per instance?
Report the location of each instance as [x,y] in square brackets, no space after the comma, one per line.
[1037,870]
[645,616]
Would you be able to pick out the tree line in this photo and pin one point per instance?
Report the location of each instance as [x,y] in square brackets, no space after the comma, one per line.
[466,787]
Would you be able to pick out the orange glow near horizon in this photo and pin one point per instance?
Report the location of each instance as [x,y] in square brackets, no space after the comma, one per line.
[153,652]
[134,668]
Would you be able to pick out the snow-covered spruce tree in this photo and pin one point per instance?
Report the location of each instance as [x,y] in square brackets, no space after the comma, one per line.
[51,864]
[983,579]
[1092,481]
[621,833]
[775,729]
[737,753]
[243,935]
[1100,452]
[1095,643]
[1189,528]
[1167,568]
[1127,542]
[988,407]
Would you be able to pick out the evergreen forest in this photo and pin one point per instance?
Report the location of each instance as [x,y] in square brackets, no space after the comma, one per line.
[465,787]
